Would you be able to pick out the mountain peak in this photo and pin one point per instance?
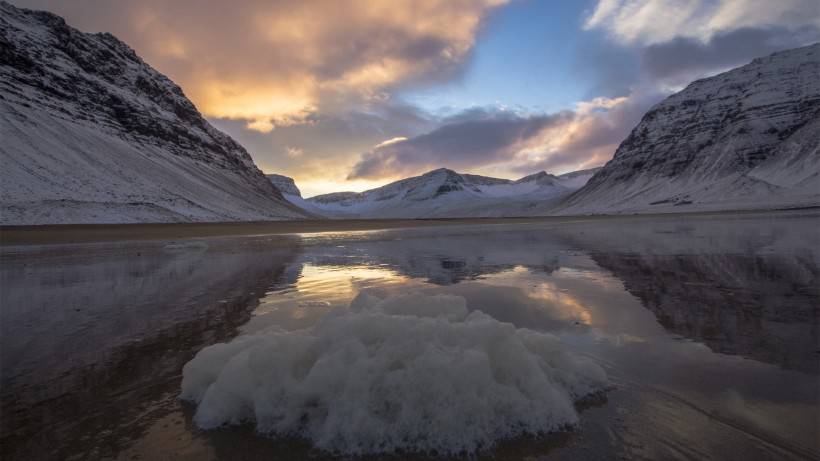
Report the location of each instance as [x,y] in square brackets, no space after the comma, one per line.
[441,171]
[542,177]
[446,193]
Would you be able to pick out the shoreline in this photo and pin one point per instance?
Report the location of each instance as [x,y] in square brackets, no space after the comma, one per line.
[93,233]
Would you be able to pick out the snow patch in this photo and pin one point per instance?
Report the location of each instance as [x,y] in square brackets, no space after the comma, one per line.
[410,373]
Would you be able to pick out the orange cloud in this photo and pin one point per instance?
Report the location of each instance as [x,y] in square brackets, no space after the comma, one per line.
[274,63]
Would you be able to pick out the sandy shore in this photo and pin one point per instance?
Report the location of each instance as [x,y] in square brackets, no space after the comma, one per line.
[87,233]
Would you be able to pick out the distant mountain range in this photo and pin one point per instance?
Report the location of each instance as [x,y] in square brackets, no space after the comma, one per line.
[92,134]
[443,193]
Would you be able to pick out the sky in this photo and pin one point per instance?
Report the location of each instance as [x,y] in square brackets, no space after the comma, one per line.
[353,94]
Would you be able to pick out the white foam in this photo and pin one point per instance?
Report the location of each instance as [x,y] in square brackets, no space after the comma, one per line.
[411,373]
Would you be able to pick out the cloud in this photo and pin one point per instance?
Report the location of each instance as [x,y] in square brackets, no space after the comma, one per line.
[294,152]
[682,60]
[590,137]
[476,137]
[313,88]
[283,62]
[330,145]
[502,143]
[647,22]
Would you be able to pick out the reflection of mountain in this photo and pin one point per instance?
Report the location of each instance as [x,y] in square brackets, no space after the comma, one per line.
[446,257]
[760,307]
[88,345]
[749,288]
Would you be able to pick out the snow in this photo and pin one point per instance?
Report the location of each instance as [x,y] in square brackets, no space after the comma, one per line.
[444,193]
[409,373]
[745,139]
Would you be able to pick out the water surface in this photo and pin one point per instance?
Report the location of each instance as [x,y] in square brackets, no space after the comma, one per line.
[707,327]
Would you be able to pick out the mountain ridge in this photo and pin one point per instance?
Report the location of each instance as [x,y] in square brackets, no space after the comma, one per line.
[445,193]
[96,135]
[745,138]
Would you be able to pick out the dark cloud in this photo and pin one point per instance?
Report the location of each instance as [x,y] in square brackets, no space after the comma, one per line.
[467,140]
[511,144]
[682,60]
[608,69]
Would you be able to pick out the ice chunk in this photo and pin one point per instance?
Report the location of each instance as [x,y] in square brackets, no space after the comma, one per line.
[411,373]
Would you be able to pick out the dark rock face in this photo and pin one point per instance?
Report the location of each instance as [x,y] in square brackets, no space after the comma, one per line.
[714,135]
[93,85]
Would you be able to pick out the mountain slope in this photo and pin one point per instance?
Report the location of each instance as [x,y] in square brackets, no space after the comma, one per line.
[747,138]
[444,193]
[92,134]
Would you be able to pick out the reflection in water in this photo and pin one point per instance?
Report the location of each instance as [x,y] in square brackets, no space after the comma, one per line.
[749,288]
[93,343]
[709,327]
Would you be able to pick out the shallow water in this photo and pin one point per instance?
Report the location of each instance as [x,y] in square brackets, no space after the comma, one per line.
[707,326]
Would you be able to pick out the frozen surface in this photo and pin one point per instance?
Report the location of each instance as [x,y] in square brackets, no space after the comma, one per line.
[410,373]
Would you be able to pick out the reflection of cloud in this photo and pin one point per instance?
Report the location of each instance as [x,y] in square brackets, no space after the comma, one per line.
[547,295]
[570,305]
[280,62]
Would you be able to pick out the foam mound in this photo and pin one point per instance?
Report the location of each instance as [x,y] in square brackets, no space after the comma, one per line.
[411,373]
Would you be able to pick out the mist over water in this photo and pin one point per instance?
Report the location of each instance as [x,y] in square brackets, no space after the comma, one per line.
[706,327]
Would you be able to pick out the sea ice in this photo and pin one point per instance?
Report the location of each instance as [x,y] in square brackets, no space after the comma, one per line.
[410,373]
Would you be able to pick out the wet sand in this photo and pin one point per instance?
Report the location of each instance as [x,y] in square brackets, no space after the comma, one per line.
[88,233]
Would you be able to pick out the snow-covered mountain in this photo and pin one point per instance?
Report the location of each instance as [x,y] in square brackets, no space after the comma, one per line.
[747,138]
[92,134]
[444,193]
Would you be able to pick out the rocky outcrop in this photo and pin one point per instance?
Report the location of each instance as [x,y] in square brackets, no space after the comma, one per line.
[93,134]
[284,184]
[747,138]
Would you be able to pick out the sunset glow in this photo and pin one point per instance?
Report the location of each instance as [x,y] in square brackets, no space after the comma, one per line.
[551,86]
